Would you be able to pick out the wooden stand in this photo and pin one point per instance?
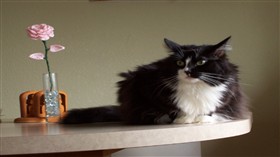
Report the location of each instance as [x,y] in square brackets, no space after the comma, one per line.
[32,107]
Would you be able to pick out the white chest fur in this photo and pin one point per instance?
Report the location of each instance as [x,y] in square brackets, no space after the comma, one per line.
[195,98]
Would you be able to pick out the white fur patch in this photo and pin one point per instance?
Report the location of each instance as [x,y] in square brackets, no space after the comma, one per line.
[196,99]
[188,60]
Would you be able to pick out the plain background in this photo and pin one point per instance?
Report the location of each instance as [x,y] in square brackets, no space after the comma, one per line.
[105,38]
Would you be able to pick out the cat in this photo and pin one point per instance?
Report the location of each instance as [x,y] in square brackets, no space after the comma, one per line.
[193,84]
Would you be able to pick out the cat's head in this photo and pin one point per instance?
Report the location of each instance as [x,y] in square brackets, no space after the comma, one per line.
[207,63]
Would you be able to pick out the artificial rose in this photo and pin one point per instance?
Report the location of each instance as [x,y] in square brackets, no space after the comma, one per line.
[43,32]
[37,56]
[56,48]
[40,32]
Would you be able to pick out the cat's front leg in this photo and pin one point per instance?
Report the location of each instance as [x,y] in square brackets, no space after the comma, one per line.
[183,118]
[163,119]
[210,118]
[205,119]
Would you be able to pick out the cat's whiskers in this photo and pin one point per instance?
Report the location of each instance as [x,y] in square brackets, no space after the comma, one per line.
[169,82]
[221,77]
[216,82]
[211,74]
[209,80]
[165,83]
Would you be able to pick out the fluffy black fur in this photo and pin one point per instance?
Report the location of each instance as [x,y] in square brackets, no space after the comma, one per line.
[146,95]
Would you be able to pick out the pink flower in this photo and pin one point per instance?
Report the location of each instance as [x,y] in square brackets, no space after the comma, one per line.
[56,48]
[37,56]
[40,32]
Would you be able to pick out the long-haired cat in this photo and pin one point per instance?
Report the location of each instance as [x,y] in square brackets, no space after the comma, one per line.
[194,84]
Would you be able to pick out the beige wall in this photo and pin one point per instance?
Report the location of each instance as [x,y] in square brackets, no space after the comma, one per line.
[105,38]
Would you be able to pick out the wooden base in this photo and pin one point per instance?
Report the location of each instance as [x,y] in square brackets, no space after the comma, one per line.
[30,120]
[37,120]
[32,107]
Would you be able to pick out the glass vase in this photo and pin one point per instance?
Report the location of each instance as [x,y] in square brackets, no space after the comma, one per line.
[51,97]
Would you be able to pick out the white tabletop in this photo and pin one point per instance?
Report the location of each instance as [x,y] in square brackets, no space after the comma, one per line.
[29,138]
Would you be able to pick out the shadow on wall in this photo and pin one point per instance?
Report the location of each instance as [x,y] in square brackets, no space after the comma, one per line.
[263,140]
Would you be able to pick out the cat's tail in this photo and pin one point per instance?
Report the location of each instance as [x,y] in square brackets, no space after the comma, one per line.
[92,115]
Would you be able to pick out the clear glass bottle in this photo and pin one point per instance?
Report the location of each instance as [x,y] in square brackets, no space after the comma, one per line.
[51,97]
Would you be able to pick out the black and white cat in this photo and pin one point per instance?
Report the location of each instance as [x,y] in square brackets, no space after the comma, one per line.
[194,84]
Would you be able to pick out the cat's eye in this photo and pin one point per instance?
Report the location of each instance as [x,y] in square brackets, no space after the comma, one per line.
[180,63]
[201,62]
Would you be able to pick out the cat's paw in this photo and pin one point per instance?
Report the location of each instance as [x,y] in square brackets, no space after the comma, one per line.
[184,120]
[165,119]
[205,119]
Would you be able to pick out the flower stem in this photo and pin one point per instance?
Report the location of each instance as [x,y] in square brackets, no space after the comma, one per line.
[47,62]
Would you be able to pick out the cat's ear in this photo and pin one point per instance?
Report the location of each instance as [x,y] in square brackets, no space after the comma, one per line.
[222,48]
[172,45]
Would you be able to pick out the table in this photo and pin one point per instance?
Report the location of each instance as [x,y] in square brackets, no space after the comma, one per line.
[104,138]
